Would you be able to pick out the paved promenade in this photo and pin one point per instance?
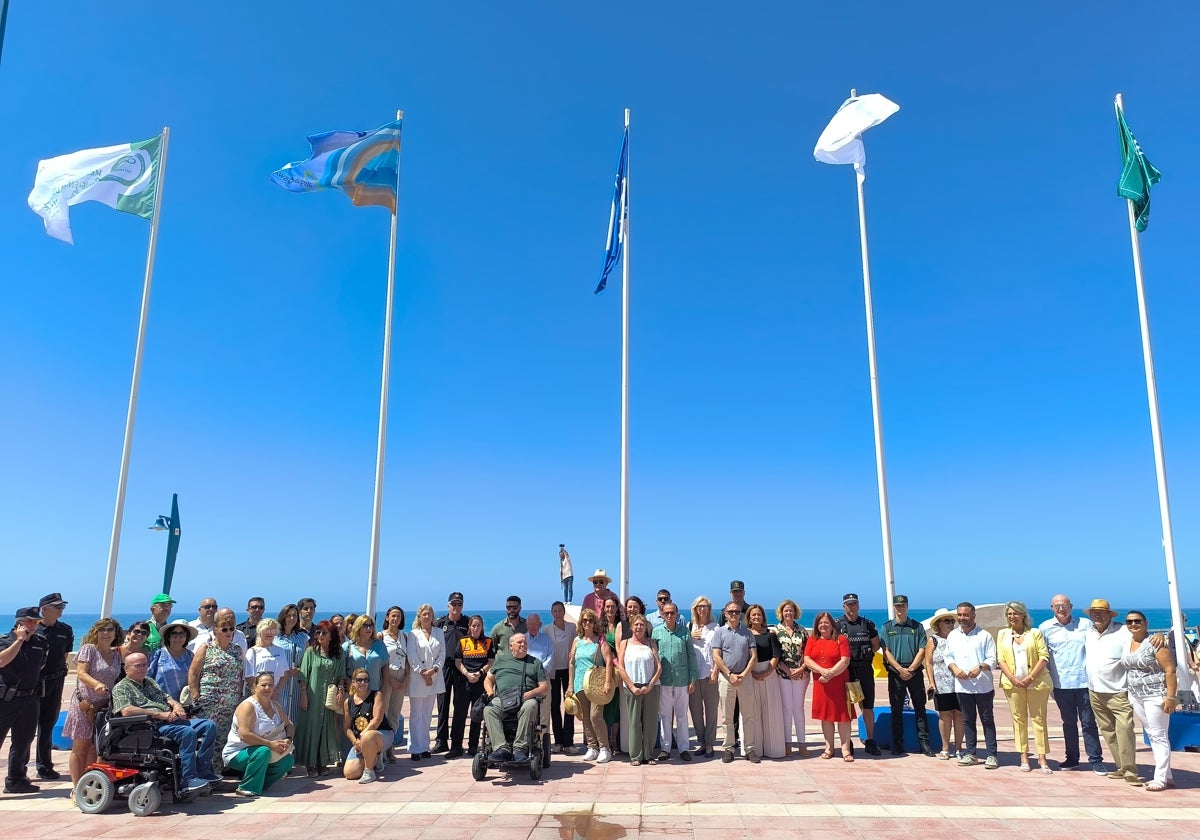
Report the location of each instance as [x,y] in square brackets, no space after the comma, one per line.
[881,798]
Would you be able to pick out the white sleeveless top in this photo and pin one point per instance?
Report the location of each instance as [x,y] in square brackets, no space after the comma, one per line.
[263,724]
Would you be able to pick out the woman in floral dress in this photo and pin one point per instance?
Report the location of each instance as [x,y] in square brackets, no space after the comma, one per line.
[97,669]
[215,679]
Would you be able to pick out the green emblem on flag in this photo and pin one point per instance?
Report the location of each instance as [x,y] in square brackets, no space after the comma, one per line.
[1138,175]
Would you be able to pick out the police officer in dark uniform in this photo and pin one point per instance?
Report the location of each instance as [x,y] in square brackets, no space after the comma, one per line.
[863,637]
[61,640]
[454,626]
[22,655]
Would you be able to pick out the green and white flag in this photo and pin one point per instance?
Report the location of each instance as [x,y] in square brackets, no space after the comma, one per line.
[1138,175]
[124,177]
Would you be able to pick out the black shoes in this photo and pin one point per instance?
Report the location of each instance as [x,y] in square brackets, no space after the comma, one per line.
[927,750]
[871,747]
[20,786]
[685,756]
[502,754]
[454,752]
[753,757]
[898,749]
[441,747]
[663,756]
[727,757]
[520,756]
[49,774]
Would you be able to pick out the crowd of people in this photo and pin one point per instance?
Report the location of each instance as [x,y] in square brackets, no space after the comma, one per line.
[266,697]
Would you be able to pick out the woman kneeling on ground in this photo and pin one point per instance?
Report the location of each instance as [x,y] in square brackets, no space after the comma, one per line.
[260,739]
[367,728]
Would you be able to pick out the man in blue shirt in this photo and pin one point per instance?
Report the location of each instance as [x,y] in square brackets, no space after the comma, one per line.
[1065,637]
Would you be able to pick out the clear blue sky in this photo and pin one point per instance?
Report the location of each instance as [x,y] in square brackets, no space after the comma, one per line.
[1015,416]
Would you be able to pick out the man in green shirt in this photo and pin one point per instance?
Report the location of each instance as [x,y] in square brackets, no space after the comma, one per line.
[678,681]
[521,671]
[903,644]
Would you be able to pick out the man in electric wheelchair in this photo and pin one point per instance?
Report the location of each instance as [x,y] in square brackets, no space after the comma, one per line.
[137,694]
[514,687]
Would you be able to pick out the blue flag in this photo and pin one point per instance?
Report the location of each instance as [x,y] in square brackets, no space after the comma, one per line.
[617,217]
[365,165]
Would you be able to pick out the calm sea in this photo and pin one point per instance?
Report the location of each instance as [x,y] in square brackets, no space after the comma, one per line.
[1158,618]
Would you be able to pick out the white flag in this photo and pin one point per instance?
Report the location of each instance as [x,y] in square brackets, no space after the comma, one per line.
[840,142]
[124,177]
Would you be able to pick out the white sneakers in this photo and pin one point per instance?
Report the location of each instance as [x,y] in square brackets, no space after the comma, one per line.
[368,776]
[591,754]
[604,756]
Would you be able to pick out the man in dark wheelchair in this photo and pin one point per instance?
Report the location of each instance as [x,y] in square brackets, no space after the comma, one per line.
[137,694]
[514,686]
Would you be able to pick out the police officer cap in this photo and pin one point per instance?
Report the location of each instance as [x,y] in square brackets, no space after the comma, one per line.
[54,599]
[29,614]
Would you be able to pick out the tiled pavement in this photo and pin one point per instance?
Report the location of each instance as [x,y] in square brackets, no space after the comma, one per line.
[882,798]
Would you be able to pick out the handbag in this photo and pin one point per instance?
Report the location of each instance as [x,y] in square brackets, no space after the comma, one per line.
[331,692]
[510,699]
[854,694]
[593,687]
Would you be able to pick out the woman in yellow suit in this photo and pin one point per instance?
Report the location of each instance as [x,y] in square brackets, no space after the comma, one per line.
[1024,659]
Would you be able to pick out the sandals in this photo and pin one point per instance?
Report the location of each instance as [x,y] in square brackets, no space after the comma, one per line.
[847,753]
[1024,768]
[943,755]
[828,754]
[1155,785]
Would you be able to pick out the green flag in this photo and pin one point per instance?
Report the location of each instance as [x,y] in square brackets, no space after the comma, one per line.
[1138,175]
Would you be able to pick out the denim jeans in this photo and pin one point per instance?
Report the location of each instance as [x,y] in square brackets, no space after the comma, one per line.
[196,739]
[1076,708]
[978,705]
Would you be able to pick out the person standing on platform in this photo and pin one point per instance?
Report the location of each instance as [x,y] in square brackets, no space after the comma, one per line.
[1066,639]
[454,626]
[971,658]
[566,573]
[903,644]
[22,654]
[60,641]
[562,634]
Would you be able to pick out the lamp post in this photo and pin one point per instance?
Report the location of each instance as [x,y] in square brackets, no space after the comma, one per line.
[171,525]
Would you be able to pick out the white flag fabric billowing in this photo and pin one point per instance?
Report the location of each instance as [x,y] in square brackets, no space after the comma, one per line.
[125,177]
[840,142]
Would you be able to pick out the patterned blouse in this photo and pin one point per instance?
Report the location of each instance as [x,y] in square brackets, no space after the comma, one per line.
[792,642]
[1147,680]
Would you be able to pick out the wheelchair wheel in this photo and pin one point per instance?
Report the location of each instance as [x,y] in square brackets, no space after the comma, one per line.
[535,766]
[546,749]
[145,799]
[479,766]
[95,792]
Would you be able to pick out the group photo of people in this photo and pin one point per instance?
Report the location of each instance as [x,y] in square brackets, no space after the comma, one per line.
[251,702]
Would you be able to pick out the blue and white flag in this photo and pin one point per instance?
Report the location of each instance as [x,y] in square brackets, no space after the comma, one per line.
[617,217]
[365,165]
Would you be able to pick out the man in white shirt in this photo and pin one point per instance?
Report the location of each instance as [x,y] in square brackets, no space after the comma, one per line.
[1106,642]
[971,658]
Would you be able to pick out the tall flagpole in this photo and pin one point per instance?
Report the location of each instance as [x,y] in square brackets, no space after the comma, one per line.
[1160,461]
[885,522]
[377,509]
[114,544]
[625,381]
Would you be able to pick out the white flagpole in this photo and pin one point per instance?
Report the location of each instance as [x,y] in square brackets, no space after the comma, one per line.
[114,544]
[1160,461]
[885,523]
[377,509]
[625,380]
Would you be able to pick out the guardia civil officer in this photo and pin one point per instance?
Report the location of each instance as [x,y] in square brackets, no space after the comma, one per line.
[22,655]
[60,639]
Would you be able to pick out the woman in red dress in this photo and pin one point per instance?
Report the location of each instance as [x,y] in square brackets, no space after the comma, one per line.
[827,655]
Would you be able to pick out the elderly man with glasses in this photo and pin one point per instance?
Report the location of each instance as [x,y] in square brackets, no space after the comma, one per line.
[1066,639]
[137,694]
[678,681]
[734,657]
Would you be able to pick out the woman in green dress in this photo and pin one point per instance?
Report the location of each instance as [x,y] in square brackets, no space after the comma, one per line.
[321,667]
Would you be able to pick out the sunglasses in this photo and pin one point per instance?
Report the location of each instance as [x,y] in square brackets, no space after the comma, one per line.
[668,614]
[139,632]
[362,679]
[208,606]
[663,599]
[1135,621]
[321,633]
[230,630]
[733,612]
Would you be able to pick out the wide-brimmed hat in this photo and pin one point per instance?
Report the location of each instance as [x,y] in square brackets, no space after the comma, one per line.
[570,706]
[1101,604]
[941,615]
[593,687]
[600,573]
[178,625]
